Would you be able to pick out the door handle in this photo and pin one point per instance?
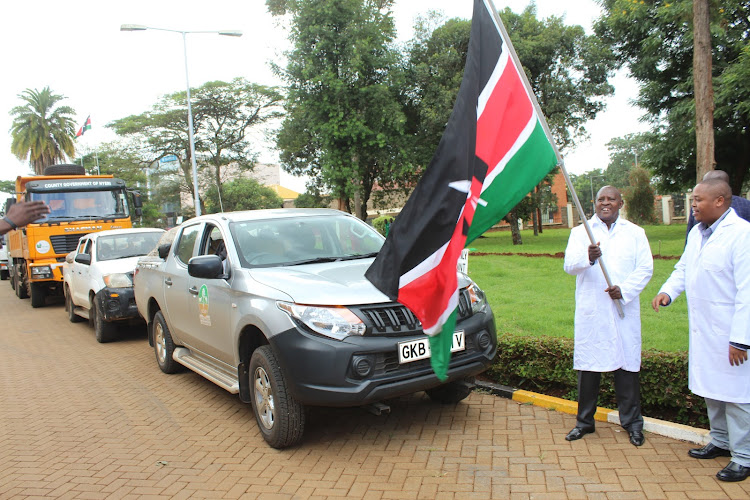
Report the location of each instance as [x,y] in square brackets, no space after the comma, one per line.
[167,281]
[193,290]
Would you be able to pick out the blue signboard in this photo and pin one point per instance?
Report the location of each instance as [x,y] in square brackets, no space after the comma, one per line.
[168,159]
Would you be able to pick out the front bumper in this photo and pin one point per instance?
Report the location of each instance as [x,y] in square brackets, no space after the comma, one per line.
[320,371]
[117,303]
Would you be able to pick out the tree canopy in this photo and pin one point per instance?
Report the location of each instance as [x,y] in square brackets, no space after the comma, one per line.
[242,194]
[43,131]
[344,121]
[655,41]
[224,113]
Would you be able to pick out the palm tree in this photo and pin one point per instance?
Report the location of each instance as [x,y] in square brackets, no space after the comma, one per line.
[42,132]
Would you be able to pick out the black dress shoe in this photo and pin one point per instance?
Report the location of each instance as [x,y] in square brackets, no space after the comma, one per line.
[637,438]
[709,451]
[577,433]
[733,472]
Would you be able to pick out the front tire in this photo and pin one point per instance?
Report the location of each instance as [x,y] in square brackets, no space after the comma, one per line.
[38,295]
[281,419]
[104,330]
[452,392]
[21,291]
[164,345]
[70,307]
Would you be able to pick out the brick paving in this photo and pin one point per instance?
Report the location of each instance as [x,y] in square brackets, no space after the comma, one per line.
[80,419]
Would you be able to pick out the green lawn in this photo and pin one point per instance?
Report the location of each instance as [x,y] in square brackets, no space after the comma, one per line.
[534,296]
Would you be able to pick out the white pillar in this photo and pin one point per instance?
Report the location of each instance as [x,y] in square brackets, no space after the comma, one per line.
[570,215]
[666,213]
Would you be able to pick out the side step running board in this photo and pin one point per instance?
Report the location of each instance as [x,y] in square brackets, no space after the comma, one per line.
[82,312]
[218,377]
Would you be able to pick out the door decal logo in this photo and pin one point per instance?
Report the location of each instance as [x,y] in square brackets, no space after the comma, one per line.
[203,306]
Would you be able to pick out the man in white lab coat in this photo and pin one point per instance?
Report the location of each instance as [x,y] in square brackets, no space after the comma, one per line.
[604,342]
[714,273]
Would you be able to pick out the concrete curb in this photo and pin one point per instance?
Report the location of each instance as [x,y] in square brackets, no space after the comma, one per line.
[653,425]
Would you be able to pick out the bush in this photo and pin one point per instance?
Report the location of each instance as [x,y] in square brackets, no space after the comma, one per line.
[382,224]
[639,197]
[545,365]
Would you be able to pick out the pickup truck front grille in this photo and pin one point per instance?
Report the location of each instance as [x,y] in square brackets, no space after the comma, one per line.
[65,243]
[397,319]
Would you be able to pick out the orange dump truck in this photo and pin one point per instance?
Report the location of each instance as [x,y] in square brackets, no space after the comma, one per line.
[79,204]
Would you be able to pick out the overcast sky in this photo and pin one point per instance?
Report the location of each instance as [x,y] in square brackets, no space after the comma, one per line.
[77,49]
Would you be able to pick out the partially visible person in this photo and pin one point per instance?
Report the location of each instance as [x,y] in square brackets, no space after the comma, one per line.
[714,273]
[22,213]
[739,204]
[604,342]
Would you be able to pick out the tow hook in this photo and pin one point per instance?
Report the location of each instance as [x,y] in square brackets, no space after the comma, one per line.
[377,408]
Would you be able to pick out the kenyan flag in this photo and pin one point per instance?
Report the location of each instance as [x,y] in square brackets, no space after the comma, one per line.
[493,152]
[86,126]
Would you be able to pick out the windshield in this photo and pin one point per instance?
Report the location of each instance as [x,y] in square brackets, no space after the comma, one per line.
[125,245]
[304,240]
[84,205]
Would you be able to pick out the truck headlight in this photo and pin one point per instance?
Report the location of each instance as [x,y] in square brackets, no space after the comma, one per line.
[477,298]
[118,280]
[334,322]
[41,272]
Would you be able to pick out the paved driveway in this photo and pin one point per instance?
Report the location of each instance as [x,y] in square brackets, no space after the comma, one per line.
[80,419]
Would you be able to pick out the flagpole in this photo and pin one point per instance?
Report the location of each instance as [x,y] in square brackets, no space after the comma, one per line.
[491,7]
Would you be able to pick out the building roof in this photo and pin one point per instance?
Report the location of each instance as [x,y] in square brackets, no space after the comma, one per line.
[285,193]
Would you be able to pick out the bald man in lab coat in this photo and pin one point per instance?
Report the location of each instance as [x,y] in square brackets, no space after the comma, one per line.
[604,342]
[714,273]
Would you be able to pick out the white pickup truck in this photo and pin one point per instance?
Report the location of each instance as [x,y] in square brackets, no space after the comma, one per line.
[274,305]
[97,277]
[3,259]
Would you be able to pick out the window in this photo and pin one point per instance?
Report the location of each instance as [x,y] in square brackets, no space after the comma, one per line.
[187,243]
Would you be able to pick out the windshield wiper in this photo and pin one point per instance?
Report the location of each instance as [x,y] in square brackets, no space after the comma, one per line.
[359,256]
[316,260]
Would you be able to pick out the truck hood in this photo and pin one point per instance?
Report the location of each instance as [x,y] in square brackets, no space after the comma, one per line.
[127,265]
[331,283]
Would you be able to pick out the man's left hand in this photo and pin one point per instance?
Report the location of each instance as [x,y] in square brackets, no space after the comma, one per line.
[736,356]
[614,292]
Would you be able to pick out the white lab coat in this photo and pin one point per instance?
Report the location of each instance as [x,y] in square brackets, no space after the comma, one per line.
[605,342]
[716,279]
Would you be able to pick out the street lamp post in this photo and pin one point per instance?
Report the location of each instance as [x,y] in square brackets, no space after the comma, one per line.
[139,27]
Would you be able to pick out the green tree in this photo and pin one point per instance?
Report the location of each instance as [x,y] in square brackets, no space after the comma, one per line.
[42,131]
[312,198]
[567,70]
[223,115]
[587,185]
[242,194]
[624,152]
[655,41]
[639,197]
[344,121]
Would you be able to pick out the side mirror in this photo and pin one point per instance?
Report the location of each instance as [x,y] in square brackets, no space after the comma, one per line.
[138,211]
[206,266]
[83,258]
[163,250]
[137,202]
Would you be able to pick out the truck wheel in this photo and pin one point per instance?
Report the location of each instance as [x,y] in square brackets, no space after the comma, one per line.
[64,169]
[3,275]
[164,345]
[69,307]
[21,291]
[104,330]
[38,295]
[281,419]
[13,281]
[452,392]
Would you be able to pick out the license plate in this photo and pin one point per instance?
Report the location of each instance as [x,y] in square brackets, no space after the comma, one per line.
[415,350]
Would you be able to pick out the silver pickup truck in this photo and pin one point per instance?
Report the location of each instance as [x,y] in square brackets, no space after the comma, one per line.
[273,305]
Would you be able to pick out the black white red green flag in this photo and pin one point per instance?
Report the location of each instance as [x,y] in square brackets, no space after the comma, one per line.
[493,152]
[86,126]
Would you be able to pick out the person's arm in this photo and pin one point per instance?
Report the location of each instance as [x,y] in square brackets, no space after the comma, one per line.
[22,213]
[639,277]
[577,252]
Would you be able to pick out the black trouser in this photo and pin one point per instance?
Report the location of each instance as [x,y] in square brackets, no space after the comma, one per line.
[627,390]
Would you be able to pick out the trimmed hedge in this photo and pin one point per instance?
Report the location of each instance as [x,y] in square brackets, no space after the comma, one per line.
[382,224]
[545,365]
